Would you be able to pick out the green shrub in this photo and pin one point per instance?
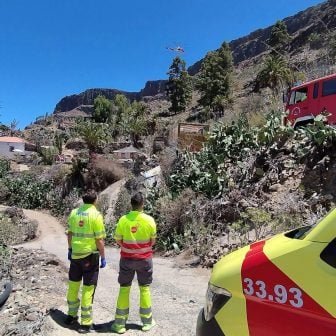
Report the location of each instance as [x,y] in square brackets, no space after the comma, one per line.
[4,167]
[103,206]
[315,41]
[48,155]
[224,160]
[123,203]
[172,216]
[253,224]
[25,191]
[206,171]
[122,206]
[59,205]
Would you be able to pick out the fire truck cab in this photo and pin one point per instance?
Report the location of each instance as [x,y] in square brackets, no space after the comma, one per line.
[305,101]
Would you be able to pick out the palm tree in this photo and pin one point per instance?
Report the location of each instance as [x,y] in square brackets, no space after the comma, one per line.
[92,134]
[137,128]
[274,74]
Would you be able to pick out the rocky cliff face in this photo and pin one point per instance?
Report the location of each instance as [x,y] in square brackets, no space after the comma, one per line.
[87,97]
[317,19]
[68,103]
[320,19]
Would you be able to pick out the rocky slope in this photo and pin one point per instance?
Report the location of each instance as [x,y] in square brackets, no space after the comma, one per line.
[38,284]
[319,19]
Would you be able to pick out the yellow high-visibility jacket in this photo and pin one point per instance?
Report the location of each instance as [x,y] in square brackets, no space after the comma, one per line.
[86,225]
[136,231]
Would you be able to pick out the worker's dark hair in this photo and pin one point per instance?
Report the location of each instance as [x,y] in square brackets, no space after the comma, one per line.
[89,197]
[137,200]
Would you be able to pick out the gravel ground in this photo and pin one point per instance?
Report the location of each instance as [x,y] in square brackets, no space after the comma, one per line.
[177,293]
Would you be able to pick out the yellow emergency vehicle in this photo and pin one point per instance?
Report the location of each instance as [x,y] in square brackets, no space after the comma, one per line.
[283,286]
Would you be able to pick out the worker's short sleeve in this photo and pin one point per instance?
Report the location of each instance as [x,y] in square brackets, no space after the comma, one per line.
[71,220]
[99,228]
[118,234]
[153,228]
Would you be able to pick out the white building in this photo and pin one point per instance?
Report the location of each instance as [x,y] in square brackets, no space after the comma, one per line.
[127,153]
[9,146]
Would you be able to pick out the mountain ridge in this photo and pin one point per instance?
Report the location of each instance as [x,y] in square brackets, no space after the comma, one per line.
[315,19]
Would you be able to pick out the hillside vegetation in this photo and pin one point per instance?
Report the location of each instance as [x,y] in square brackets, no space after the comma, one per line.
[246,184]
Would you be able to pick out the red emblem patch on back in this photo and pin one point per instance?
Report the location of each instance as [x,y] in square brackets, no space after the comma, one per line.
[134,229]
[81,223]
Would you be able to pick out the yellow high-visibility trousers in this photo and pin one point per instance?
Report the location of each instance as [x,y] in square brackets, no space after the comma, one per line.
[86,302]
[72,298]
[145,305]
[86,305]
[122,310]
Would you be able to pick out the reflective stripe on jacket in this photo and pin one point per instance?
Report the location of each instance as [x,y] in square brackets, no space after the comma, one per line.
[86,225]
[135,231]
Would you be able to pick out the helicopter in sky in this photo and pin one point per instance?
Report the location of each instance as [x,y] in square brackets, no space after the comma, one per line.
[176,49]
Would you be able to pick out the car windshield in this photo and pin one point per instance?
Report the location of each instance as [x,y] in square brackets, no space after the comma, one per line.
[303,231]
[299,233]
[298,96]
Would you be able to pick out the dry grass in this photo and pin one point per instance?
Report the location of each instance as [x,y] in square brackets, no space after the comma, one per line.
[175,214]
[102,173]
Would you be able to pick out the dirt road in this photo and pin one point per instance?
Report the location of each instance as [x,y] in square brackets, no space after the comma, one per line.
[177,294]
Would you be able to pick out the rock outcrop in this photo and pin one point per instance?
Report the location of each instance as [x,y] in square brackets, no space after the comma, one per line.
[153,88]
[68,103]
[87,97]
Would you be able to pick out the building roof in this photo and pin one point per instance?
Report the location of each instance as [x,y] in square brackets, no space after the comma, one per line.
[129,149]
[12,139]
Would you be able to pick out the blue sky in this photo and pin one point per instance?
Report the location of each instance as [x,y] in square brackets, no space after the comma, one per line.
[53,48]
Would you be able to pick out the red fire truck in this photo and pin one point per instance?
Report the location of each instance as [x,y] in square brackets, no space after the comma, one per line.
[305,101]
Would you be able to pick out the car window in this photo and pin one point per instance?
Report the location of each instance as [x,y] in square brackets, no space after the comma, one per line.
[329,87]
[328,255]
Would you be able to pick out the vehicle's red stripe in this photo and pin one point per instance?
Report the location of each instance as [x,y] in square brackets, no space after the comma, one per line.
[266,316]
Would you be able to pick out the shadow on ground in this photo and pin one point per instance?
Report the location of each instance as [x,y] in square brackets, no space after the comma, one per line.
[59,317]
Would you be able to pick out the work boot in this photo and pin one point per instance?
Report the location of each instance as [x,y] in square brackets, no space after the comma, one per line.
[148,326]
[84,329]
[70,320]
[118,328]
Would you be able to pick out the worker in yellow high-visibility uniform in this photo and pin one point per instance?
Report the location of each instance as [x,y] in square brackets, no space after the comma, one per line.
[86,233]
[135,233]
